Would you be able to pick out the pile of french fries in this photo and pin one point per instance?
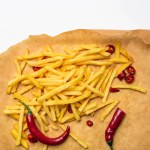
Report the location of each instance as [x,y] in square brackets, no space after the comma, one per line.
[64,79]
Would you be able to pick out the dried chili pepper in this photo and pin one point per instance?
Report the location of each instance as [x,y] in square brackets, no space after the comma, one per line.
[122,75]
[38,135]
[111,49]
[113,125]
[129,79]
[131,70]
[113,90]
[36,68]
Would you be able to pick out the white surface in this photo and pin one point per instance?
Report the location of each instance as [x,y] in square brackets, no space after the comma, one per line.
[20,18]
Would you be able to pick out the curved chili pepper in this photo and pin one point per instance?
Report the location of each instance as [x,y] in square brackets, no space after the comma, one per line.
[113,125]
[39,135]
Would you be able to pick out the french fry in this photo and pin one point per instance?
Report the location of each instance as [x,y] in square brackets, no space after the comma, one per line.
[29,56]
[132,87]
[23,142]
[122,67]
[72,93]
[33,81]
[11,112]
[56,107]
[77,116]
[124,53]
[59,89]
[25,89]
[118,60]
[53,126]
[17,66]
[25,126]
[14,88]
[76,138]
[106,92]
[11,107]
[108,109]
[46,109]
[16,117]
[97,63]
[20,97]
[90,106]
[72,72]
[117,50]
[18,140]
[8,90]
[42,115]
[99,106]
[62,113]
[105,54]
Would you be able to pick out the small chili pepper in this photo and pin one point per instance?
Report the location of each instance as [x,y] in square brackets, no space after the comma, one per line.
[89,123]
[39,135]
[113,125]
[113,90]
[129,79]
[36,68]
[122,75]
[111,49]
[31,138]
[69,109]
[131,70]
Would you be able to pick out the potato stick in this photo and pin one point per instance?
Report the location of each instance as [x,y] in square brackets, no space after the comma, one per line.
[118,60]
[77,105]
[52,76]
[23,142]
[25,126]
[108,110]
[97,63]
[56,107]
[22,77]
[62,113]
[59,73]
[44,147]
[72,72]
[87,73]
[43,61]
[84,104]
[14,88]
[68,118]
[76,115]
[85,58]
[97,74]
[23,64]
[132,87]
[8,90]
[72,93]
[20,97]
[52,54]
[17,66]
[69,67]
[94,90]
[86,94]
[117,50]
[29,56]
[122,67]
[25,89]
[16,117]
[18,140]
[47,84]
[100,82]
[76,138]
[101,105]
[51,80]
[90,106]
[38,107]
[124,53]
[11,107]
[39,120]
[92,51]
[30,103]
[106,92]
[105,54]
[34,82]
[16,126]
[52,108]
[42,115]
[10,112]
[56,64]
[46,109]
[104,84]
[59,89]
[80,72]
[53,126]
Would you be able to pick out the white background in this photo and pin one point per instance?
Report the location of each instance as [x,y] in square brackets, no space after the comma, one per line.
[20,18]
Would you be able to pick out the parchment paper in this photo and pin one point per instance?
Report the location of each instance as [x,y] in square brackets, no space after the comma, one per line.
[133,133]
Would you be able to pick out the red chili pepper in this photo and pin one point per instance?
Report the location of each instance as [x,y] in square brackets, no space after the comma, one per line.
[89,123]
[69,109]
[31,138]
[129,79]
[113,125]
[113,90]
[122,75]
[36,68]
[131,70]
[39,135]
[111,49]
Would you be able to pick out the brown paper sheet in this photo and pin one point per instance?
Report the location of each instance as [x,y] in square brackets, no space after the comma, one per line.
[134,131]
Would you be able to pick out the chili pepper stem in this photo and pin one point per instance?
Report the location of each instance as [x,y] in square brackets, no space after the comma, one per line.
[28,108]
[110,144]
